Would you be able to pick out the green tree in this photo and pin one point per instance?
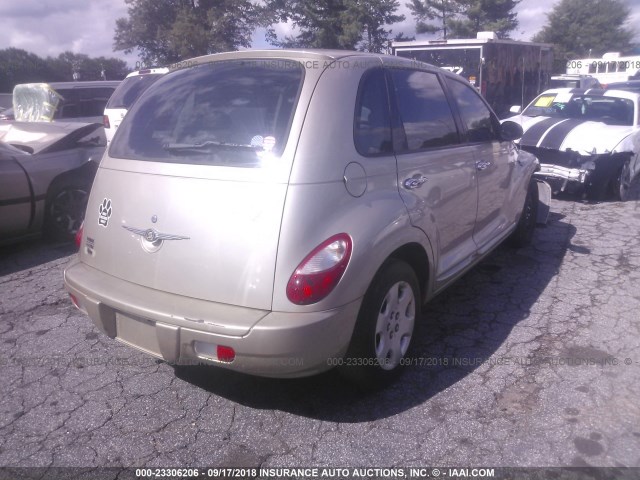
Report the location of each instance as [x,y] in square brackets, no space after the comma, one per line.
[579,27]
[441,11]
[485,16]
[165,31]
[64,66]
[343,24]
[372,17]
[464,18]
[20,66]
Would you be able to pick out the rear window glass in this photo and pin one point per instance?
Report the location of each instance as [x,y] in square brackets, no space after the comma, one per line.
[424,110]
[231,113]
[82,102]
[372,129]
[557,83]
[130,89]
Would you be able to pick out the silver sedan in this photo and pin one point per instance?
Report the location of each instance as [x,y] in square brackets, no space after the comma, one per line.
[46,171]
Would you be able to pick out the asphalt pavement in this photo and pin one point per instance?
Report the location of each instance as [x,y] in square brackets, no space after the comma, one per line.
[531,359]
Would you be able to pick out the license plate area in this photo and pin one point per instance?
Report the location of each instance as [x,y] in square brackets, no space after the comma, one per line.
[138,332]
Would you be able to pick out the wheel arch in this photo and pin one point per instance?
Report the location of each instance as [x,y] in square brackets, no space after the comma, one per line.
[81,177]
[85,172]
[415,255]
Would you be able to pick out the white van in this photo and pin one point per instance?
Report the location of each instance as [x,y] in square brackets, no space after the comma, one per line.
[129,90]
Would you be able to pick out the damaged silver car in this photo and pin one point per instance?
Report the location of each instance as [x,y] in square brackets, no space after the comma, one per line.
[46,172]
[585,139]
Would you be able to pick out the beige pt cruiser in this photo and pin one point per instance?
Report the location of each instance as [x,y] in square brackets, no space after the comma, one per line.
[283,212]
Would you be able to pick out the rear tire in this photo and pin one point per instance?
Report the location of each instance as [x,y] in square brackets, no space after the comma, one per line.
[385,326]
[523,234]
[65,209]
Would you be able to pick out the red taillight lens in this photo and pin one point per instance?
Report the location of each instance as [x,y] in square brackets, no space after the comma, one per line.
[320,271]
[225,354]
[105,120]
[78,237]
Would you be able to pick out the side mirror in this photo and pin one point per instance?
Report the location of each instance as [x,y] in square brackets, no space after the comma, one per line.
[515,109]
[510,131]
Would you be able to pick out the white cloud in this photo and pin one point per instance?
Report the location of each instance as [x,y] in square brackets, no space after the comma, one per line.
[50,27]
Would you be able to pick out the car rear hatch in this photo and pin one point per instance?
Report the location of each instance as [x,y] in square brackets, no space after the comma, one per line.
[189,199]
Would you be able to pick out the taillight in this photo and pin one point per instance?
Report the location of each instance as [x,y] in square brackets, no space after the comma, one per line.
[78,237]
[320,271]
[225,354]
[105,121]
[74,300]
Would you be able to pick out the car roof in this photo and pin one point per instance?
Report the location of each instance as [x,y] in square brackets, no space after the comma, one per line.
[149,71]
[571,75]
[321,55]
[309,53]
[295,54]
[630,83]
[595,91]
[84,84]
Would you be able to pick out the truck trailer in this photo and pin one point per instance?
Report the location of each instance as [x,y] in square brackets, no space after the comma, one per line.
[506,72]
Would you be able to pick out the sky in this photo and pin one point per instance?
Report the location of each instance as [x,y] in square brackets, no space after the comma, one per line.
[50,27]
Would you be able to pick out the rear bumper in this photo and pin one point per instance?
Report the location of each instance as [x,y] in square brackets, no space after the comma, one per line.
[279,344]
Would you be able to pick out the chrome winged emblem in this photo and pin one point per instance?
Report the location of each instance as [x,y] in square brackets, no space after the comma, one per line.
[151,235]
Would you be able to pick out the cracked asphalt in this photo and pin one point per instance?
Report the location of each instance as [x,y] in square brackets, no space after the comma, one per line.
[531,359]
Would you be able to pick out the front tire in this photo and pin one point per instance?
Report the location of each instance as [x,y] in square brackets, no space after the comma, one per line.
[523,234]
[622,183]
[385,326]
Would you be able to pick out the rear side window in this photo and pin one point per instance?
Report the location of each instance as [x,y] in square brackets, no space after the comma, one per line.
[130,89]
[424,110]
[372,123]
[474,112]
[83,102]
[229,113]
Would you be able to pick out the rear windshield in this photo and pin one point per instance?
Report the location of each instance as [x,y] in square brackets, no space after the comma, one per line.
[82,102]
[557,83]
[130,89]
[230,113]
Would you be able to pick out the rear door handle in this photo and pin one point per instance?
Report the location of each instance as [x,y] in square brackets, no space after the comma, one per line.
[414,182]
[481,165]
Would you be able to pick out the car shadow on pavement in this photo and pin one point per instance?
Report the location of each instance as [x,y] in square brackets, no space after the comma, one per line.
[29,254]
[460,329]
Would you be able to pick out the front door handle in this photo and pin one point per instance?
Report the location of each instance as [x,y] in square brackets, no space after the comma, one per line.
[414,182]
[481,165]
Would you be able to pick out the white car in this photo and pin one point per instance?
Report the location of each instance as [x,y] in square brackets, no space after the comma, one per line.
[587,139]
[127,92]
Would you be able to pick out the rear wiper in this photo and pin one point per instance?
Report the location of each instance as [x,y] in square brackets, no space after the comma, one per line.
[209,145]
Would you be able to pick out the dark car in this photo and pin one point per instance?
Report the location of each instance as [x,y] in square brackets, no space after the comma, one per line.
[62,101]
[628,86]
[6,101]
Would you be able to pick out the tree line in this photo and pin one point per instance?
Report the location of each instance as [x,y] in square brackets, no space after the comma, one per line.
[162,32]
[20,66]
[166,31]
